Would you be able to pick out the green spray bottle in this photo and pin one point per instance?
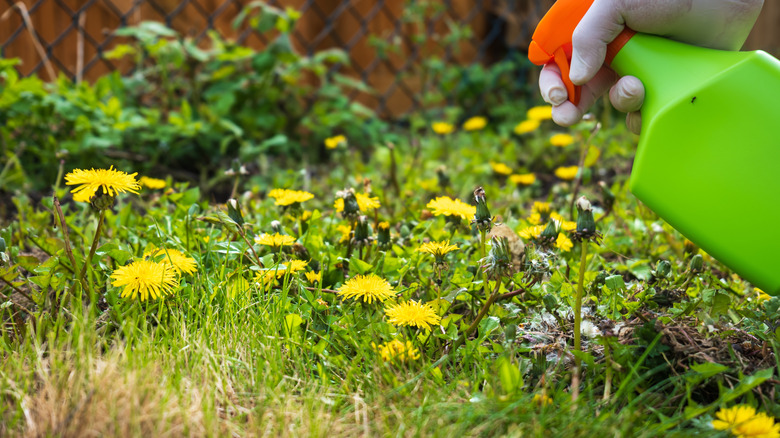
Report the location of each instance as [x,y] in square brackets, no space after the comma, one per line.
[708,160]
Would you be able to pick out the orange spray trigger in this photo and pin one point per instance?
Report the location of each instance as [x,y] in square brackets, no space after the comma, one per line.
[552,39]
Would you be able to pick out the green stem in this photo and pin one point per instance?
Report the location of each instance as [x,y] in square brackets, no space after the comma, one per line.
[482,254]
[575,380]
[482,312]
[88,261]
[608,376]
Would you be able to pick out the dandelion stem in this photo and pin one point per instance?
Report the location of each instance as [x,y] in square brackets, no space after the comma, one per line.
[575,380]
[608,376]
[482,257]
[482,312]
[88,261]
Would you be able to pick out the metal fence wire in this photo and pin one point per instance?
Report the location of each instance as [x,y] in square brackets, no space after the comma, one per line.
[70,37]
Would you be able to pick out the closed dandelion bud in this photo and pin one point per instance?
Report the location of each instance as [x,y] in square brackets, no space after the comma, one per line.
[663,269]
[697,263]
[234,211]
[549,234]
[351,207]
[444,179]
[383,235]
[276,226]
[102,200]
[362,235]
[2,244]
[586,225]
[607,196]
[482,216]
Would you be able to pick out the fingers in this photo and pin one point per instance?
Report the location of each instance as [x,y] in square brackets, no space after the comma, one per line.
[627,94]
[634,122]
[551,86]
[600,25]
[567,114]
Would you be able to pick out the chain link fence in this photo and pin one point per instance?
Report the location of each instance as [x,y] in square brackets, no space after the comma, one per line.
[386,40]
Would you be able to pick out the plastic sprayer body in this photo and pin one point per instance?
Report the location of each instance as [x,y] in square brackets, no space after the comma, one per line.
[708,160]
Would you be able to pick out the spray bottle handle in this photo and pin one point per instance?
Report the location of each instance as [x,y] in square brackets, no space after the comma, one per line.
[552,40]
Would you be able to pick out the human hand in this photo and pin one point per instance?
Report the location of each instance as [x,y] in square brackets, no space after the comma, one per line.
[718,24]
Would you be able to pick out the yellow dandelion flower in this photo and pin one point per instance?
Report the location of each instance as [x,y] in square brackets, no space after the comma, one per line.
[367,287]
[267,276]
[561,140]
[151,183]
[760,426]
[334,142]
[531,232]
[442,128]
[526,126]
[306,215]
[534,219]
[500,168]
[445,206]
[564,224]
[111,181]
[180,262]
[437,249]
[761,295]
[345,231]
[475,123]
[285,197]
[543,208]
[397,351]
[365,202]
[541,400]
[274,240]
[567,173]
[412,313]
[744,422]
[314,277]
[525,179]
[543,112]
[145,279]
[563,243]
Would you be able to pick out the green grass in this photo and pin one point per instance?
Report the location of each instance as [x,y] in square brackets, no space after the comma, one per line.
[224,356]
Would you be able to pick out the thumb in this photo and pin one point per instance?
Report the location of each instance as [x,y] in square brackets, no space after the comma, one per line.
[598,27]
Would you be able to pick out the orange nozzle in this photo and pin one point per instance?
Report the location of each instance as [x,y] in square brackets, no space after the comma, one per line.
[552,39]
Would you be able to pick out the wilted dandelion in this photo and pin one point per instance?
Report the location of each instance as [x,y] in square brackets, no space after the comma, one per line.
[285,197]
[112,182]
[445,206]
[500,168]
[475,123]
[526,126]
[180,262]
[151,183]
[412,314]
[561,140]
[442,128]
[397,351]
[274,240]
[543,112]
[567,173]
[145,279]
[744,422]
[525,179]
[336,141]
[367,288]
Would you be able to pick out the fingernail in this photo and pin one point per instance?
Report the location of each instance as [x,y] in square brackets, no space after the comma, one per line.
[558,96]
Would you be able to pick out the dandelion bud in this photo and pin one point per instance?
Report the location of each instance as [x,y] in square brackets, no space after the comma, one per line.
[444,179]
[548,235]
[383,235]
[482,217]
[276,226]
[351,207]
[2,244]
[102,200]
[607,196]
[234,211]
[697,263]
[362,235]
[663,269]
[499,260]
[586,225]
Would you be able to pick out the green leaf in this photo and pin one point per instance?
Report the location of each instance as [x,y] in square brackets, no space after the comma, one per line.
[509,374]
[615,282]
[292,322]
[359,266]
